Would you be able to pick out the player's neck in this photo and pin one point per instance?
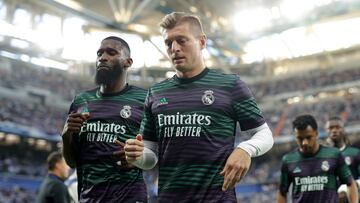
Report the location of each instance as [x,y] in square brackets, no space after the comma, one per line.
[55,173]
[340,145]
[192,73]
[114,87]
[316,148]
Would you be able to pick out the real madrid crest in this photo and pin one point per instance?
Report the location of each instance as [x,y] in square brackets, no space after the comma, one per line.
[125,111]
[348,160]
[208,97]
[325,166]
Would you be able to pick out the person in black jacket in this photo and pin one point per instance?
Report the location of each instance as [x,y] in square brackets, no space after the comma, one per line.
[53,189]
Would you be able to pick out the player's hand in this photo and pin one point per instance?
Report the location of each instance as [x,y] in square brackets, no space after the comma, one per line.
[119,156]
[236,167]
[74,122]
[134,149]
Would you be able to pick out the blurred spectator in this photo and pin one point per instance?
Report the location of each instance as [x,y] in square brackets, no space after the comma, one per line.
[53,189]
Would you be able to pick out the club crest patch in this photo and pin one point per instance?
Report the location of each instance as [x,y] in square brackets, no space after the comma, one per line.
[348,160]
[125,111]
[325,166]
[208,97]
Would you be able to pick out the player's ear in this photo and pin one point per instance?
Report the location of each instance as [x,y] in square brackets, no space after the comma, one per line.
[202,41]
[128,62]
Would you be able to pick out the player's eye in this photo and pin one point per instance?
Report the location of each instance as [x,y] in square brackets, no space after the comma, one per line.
[112,53]
[181,41]
[168,44]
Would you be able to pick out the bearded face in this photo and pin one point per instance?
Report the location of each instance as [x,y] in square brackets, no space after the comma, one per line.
[106,74]
[110,63]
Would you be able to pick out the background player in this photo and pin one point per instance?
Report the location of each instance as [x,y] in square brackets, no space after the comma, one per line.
[313,169]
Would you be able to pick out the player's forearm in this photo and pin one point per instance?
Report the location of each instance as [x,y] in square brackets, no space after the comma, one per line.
[260,142]
[147,161]
[280,198]
[149,157]
[353,193]
[68,150]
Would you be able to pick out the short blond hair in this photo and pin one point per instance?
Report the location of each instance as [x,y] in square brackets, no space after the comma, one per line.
[175,18]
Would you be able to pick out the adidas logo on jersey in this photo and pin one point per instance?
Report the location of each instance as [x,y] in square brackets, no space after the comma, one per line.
[297,170]
[163,101]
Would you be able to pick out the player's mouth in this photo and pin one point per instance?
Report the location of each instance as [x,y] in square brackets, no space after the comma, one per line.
[177,60]
[103,67]
[305,149]
[334,135]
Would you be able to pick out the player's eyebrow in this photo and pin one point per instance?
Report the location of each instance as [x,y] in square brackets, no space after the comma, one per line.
[107,50]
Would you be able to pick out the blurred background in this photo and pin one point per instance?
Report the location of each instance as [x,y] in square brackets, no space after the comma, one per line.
[297,57]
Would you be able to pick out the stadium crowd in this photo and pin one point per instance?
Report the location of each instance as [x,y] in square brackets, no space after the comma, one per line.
[52,80]
[44,118]
[12,165]
[68,85]
[314,79]
[17,195]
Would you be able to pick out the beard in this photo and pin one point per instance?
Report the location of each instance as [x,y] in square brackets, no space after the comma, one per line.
[107,77]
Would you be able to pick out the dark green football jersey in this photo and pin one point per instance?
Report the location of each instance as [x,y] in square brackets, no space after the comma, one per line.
[194,121]
[112,117]
[352,159]
[314,178]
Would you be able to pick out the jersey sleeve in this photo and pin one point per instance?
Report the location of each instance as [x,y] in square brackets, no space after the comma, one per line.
[357,165]
[343,171]
[246,109]
[76,102]
[147,128]
[284,179]
[72,107]
[75,141]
